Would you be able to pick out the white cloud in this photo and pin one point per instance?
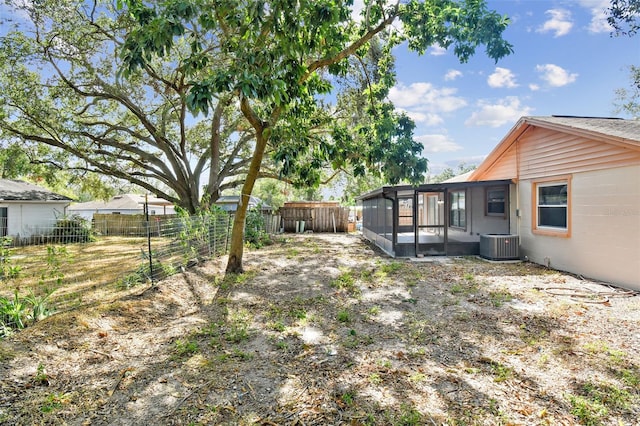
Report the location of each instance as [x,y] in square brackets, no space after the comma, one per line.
[438,143]
[555,76]
[423,97]
[502,77]
[356,9]
[534,87]
[597,9]
[507,110]
[559,22]
[428,119]
[452,75]
[437,50]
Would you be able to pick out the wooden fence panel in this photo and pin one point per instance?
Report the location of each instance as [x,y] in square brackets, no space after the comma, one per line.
[127,224]
[316,219]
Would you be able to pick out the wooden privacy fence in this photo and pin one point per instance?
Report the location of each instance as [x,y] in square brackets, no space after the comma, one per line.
[127,224]
[272,223]
[317,217]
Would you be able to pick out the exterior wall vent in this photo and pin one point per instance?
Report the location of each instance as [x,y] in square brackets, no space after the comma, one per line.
[499,246]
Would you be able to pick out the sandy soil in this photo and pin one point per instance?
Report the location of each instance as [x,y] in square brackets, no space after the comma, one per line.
[324,329]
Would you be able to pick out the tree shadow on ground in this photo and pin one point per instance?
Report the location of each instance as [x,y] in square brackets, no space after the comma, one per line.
[314,332]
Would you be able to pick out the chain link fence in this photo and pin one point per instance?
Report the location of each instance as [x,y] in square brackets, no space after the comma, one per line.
[140,248]
[184,241]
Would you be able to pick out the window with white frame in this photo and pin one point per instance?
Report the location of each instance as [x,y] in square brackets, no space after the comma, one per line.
[457,211]
[552,205]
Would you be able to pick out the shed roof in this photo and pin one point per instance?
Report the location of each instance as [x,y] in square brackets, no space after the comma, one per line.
[121,202]
[230,202]
[18,190]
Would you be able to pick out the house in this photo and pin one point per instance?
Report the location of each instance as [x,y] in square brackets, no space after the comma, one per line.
[229,203]
[123,204]
[567,187]
[27,209]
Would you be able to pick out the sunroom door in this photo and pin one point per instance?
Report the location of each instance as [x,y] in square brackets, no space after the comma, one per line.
[431,225]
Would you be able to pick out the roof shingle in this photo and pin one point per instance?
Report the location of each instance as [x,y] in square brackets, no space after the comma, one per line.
[17,190]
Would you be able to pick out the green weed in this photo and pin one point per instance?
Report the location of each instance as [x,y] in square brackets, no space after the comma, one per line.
[344,316]
[238,329]
[499,298]
[13,312]
[185,347]
[464,287]
[375,379]
[292,252]
[41,377]
[241,355]
[54,402]
[346,281]
[374,310]
[629,377]
[417,378]
[587,411]
[347,398]
[278,326]
[299,313]
[384,363]
[391,267]
[409,416]
[501,372]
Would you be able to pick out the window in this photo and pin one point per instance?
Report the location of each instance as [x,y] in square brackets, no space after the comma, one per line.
[457,213]
[3,221]
[496,201]
[551,207]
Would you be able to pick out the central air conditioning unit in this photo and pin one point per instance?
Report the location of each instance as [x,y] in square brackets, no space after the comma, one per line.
[499,246]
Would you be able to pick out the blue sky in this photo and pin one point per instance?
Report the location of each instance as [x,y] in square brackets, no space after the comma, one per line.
[565,63]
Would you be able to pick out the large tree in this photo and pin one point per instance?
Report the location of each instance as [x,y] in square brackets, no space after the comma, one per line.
[624,16]
[278,58]
[65,104]
[628,99]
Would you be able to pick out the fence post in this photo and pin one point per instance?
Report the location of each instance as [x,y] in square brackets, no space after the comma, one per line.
[146,210]
[209,218]
[215,233]
[226,238]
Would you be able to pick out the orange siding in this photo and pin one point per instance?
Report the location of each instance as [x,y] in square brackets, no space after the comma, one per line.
[505,167]
[543,152]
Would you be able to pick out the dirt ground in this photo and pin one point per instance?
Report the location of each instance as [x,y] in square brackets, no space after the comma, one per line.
[324,329]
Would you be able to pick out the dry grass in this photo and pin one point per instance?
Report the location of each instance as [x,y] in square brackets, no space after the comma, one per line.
[324,330]
[76,273]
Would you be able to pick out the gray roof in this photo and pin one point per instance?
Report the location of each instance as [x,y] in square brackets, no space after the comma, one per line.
[629,130]
[230,202]
[17,190]
[121,202]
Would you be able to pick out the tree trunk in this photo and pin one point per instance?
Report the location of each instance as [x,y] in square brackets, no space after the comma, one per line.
[234,264]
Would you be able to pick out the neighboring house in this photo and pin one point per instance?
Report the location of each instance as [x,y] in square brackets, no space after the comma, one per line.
[27,209]
[229,203]
[568,187]
[123,204]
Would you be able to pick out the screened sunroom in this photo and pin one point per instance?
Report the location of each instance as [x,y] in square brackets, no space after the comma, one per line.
[445,219]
